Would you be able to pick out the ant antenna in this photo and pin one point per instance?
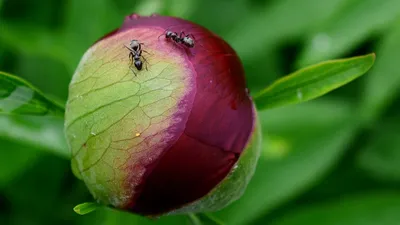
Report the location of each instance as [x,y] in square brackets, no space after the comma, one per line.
[162,34]
[128,48]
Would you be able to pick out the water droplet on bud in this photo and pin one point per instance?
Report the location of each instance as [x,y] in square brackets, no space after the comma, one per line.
[134,16]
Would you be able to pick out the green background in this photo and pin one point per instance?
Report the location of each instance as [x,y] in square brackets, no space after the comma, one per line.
[332,161]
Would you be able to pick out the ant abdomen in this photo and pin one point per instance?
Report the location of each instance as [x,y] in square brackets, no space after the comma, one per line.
[138,65]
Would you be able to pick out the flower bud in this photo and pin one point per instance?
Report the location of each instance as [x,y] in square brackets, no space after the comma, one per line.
[177,135]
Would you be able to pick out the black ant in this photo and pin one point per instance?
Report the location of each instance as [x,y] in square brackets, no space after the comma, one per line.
[186,40]
[135,54]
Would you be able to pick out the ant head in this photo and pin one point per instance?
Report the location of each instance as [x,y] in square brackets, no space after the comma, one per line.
[135,45]
[188,42]
[168,34]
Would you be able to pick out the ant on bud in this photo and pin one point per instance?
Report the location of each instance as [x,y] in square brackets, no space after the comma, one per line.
[135,54]
[187,40]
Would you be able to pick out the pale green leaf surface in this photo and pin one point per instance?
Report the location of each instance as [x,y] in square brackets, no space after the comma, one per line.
[348,29]
[278,179]
[368,209]
[313,81]
[19,97]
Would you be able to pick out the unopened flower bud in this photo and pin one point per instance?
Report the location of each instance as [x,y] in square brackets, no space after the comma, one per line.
[177,134]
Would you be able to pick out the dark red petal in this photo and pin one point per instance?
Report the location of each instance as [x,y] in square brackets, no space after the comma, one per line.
[189,170]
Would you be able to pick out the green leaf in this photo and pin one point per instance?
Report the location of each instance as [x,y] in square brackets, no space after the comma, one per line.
[382,84]
[203,219]
[19,97]
[44,133]
[313,81]
[348,28]
[367,209]
[79,34]
[86,208]
[15,158]
[282,20]
[194,219]
[151,6]
[312,145]
[108,216]
[49,177]
[209,219]
[381,155]
[53,80]
[41,42]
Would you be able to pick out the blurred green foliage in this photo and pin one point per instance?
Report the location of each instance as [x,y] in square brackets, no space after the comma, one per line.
[335,160]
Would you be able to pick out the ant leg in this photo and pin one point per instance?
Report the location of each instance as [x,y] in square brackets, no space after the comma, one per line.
[140,46]
[147,52]
[133,71]
[146,62]
[182,34]
[131,58]
[191,35]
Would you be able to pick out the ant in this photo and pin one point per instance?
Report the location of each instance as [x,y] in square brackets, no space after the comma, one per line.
[186,40]
[135,54]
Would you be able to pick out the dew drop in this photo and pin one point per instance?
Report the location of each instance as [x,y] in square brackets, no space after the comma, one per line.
[135,16]
[137,134]
[93,133]
[234,168]
[211,81]
[299,94]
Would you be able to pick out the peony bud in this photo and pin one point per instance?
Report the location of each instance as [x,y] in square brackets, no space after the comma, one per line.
[177,136]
